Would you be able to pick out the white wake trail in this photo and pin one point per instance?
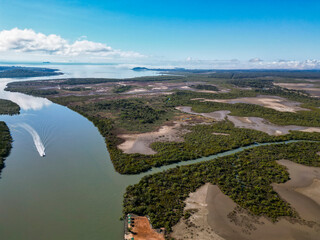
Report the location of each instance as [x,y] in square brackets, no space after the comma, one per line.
[36,139]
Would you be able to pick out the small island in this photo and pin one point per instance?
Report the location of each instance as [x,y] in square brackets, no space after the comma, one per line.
[22,72]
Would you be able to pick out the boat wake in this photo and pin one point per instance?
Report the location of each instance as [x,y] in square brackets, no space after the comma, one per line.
[36,138]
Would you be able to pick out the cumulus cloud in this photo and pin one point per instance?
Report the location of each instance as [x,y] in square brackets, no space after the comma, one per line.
[288,64]
[28,41]
[254,60]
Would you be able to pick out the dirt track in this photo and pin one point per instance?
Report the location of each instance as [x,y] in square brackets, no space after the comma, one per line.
[143,230]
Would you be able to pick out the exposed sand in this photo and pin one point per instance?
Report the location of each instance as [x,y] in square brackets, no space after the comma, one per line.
[312,89]
[140,143]
[219,216]
[160,88]
[217,115]
[138,90]
[277,103]
[263,125]
[254,123]
[196,227]
[312,191]
[311,129]
[221,134]
[302,190]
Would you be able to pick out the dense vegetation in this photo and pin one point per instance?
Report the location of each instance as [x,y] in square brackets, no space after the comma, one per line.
[132,114]
[121,88]
[17,72]
[198,143]
[145,114]
[8,107]
[24,85]
[253,83]
[245,177]
[205,87]
[36,92]
[76,89]
[141,115]
[5,143]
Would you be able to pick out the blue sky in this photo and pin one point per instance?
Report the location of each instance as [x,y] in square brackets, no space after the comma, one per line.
[176,30]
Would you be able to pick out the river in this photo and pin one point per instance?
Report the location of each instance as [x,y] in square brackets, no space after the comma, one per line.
[73,193]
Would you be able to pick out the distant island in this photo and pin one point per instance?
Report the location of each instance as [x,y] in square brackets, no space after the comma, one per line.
[19,72]
[239,73]
[159,69]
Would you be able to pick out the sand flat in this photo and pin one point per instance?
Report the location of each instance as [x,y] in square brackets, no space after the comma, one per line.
[311,129]
[196,227]
[310,88]
[254,123]
[217,115]
[277,103]
[312,191]
[140,143]
[263,125]
[298,189]
[234,223]
[218,217]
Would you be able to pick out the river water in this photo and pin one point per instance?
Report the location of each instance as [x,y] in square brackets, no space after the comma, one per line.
[73,193]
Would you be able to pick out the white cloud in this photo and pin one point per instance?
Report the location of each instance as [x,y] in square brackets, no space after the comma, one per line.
[288,64]
[28,41]
[26,44]
[254,60]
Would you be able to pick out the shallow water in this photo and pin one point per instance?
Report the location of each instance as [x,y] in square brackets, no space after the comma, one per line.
[73,192]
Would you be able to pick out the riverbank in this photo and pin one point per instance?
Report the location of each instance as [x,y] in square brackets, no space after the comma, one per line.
[5,143]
